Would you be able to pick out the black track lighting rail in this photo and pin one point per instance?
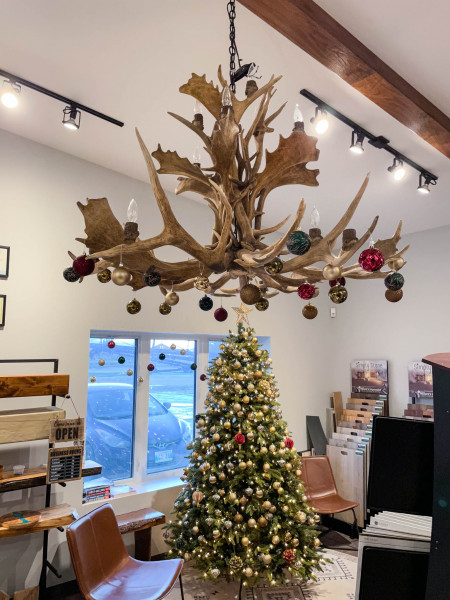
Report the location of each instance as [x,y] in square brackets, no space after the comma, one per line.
[73,103]
[376,141]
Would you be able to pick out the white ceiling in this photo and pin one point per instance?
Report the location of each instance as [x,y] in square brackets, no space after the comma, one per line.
[128,59]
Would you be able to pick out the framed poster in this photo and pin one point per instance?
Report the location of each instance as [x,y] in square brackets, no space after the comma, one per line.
[420,380]
[2,310]
[370,376]
[4,262]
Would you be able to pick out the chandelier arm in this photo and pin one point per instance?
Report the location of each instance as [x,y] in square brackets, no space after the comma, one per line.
[389,246]
[274,284]
[195,129]
[260,208]
[260,232]
[275,114]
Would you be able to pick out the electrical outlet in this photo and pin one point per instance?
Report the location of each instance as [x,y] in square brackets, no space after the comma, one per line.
[332,312]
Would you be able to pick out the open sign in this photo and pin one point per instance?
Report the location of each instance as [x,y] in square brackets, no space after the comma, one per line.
[66,430]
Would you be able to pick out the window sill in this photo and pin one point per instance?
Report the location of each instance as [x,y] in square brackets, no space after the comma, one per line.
[147,487]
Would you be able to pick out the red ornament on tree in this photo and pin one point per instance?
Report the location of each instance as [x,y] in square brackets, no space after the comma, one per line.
[306,291]
[371,259]
[289,443]
[202,377]
[83,266]
[239,438]
[111,344]
[289,556]
[340,281]
[150,367]
[220,314]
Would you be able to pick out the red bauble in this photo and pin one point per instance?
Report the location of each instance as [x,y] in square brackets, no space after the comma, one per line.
[202,377]
[150,367]
[83,266]
[371,259]
[306,291]
[289,443]
[239,438]
[289,556]
[340,281]
[220,314]
[111,344]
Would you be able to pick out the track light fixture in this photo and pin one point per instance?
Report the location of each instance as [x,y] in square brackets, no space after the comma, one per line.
[359,134]
[320,122]
[10,93]
[71,118]
[357,141]
[13,84]
[397,169]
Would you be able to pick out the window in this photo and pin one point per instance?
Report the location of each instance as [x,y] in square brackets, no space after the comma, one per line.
[143,393]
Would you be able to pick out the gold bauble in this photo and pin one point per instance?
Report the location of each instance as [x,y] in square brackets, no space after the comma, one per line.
[273,510]
[172,298]
[295,542]
[182,352]
[248,571]
[202,283]
[172,346]
[254,340]
[317,542]
[393,295]
[288,536]
[288,467]
[265,408]
[241,376]
[216,533]
[101,362]
[222,404]
[104,276]
[396,263]
[330,272]
[165,309]
[272,448]
[262,304]
[251,523]
[243,501]
[245,541]
[263,450]
[129,372]
[197,496]
[282,445]
[280,491]
[93,379]
[212,479]
[250,294]
[276,485]
[238,387]
[237,364]
[121,276]
[232,496]
[245,399]
[274,267]
[298,472]
[262,522]
[272,429]
[316,292]
[133,307]
[259,493]
[258,374]
[187,556]
[216,437]
[309,311]
[227,424]
[250,435]
[267,559]
[238,518]
[266,467]
[249,464]
[222,476]
[242,466]
[275,540]
[195,529]
[338,294]
[250,387]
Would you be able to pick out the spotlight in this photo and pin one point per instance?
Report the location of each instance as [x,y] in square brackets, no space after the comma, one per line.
[357,144]
[320,122]
[10,93]
[397,169]
[424,183]
[71,118]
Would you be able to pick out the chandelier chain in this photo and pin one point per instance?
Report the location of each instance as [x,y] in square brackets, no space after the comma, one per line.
[231,9]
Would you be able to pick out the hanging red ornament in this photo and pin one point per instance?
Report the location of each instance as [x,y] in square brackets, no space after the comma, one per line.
[202,377]
[83,266]
[306,291]
[371,259]
[289,443]
[150,367]
[239,438]
[220,314]
[289,556]
[111,344]
[339,281]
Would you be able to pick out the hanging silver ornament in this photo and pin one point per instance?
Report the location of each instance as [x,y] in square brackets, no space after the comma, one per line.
[209,521]
[228,524]
[249,491]
[216,497]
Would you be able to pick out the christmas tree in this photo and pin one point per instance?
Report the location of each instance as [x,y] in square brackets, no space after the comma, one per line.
[242,514]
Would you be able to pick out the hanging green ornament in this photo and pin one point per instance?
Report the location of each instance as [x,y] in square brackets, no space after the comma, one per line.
[394,281]
[298,242]
[338,294]
[133,307]
[165,309]
[262,304]
[205,303]
[162,356]
[121,360]
[70,275]
[274,267]
[104,276]
[194,367]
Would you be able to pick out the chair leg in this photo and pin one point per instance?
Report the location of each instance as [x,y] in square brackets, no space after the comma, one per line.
[181,587]
[240,589]
[355,534]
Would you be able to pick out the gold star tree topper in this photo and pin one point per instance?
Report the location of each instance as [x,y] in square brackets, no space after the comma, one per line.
[241,312]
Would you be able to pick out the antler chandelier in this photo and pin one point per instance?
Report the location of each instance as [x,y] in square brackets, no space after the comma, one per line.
[236,187]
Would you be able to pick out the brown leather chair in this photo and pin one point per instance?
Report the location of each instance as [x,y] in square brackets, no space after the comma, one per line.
[320,488]
[105,571]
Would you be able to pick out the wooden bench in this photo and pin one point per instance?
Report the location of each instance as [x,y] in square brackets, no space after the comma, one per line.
[140,522]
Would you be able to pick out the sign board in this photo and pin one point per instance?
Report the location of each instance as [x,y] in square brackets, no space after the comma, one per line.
[66,430]
[370,376]
[420,380]
[64,464]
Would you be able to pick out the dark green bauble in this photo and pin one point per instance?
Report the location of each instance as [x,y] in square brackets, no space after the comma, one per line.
[151,277]
[165,309]
[206,303]
[298,242]
[121,360]
[104,276]
[274,267]
[338,294]
[180,543]
[162,356]
[133,307]
[262,304]
[194,367]
[394,281]
[70,275]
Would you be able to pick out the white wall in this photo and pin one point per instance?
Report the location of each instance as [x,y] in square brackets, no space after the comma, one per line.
[48,317]
[368,326]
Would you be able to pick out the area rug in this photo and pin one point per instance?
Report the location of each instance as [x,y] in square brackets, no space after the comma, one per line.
[336,582]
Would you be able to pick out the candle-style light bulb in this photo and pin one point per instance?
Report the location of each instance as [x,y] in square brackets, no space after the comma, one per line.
[197,156]
[198,108]
[315,218]
[298,115]
[132,212]
[226,96]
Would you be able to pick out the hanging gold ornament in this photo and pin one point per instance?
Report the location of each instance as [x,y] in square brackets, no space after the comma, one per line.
[197,496]
[309,311]
[275,540]
[338,294]
[245,541]
[92,379]
[262,304]
[238,518]
[316,292]
[172,346]
[393,295]
[101,362]
[121,276]
[250,293]
[274,267]
[165,309]
[331,272]
[262,522]
[396,263]
[171,298]
[248,571]
[129,372]
[267,559]
[202,283]
[133,307]
[104,276]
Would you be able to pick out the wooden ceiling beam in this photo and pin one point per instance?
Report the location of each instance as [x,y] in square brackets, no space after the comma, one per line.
[313,30]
